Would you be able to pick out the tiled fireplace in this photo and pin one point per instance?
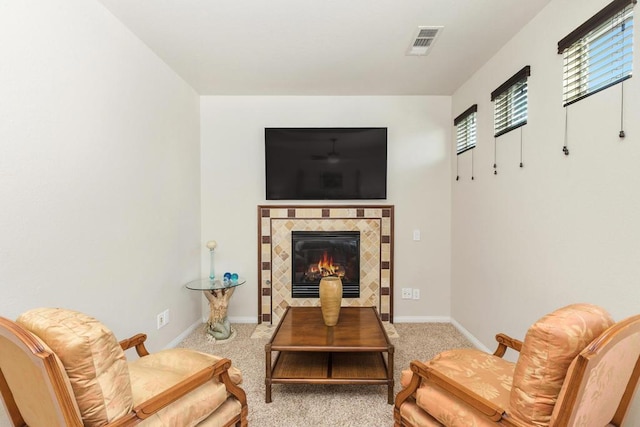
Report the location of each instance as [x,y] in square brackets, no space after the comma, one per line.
[276,225]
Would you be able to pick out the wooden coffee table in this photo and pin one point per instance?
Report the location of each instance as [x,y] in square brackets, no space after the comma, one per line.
[352,352]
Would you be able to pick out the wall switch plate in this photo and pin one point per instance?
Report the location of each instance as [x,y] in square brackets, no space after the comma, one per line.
[406,293]
[416,294]
[416,235]
[162,318]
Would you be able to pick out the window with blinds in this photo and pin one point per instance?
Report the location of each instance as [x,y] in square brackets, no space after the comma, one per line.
[465,125]
[510,103]
[599,53]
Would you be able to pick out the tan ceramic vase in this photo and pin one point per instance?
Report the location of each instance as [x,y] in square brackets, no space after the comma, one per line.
[330,299]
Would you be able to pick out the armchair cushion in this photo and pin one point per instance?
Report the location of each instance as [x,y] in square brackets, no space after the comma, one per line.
[484,374]
[156,372]
[547,351]
[184,362]
[448,409]
[229,409]
[411,412]
[93,360]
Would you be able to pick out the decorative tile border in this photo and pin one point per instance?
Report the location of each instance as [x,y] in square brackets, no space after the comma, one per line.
[275,224]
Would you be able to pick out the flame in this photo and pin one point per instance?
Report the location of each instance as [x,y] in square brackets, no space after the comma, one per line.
[326,267]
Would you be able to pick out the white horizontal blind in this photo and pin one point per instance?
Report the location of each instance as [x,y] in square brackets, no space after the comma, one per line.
[510,107]
[600,58]
[466,133]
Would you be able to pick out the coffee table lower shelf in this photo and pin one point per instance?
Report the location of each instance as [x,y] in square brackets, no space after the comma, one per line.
[308,367]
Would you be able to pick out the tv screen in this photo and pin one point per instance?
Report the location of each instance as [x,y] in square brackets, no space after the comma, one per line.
[325,163]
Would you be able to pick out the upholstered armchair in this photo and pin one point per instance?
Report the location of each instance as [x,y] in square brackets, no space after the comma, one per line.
[576,367]
[63,368]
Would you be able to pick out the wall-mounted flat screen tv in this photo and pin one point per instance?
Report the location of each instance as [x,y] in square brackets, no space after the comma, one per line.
[326,163]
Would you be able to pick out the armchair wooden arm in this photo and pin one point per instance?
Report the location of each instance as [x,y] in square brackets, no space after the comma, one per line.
[504,342]
[408,392]
[422,371]
[220,370]
[138,341]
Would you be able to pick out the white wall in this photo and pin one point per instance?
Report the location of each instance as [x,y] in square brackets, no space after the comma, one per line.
[232,130]
[562,229]
[99,171]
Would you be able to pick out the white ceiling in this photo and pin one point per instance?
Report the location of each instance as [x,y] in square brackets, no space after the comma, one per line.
[323,47]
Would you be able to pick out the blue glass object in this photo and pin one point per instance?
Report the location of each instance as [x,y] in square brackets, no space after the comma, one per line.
[234,277]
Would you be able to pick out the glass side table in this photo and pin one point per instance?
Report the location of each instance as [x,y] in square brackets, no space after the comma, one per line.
[218,293]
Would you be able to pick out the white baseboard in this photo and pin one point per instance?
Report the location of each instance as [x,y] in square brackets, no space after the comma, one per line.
[468,335]
[421,319]
[183,335]
[239,319]
[250,319]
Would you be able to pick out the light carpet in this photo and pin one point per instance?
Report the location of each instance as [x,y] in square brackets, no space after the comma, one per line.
[301,405]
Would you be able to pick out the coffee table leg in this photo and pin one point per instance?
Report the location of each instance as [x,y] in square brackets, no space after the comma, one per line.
[267,398]
[267,379]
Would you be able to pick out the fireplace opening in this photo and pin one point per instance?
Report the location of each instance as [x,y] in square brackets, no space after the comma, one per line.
[317,254]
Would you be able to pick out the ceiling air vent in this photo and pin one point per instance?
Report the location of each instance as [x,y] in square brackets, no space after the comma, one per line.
[423,40]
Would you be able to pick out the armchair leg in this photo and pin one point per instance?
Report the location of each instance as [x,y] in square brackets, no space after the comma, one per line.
[244,415]
[402,396]
[236,392]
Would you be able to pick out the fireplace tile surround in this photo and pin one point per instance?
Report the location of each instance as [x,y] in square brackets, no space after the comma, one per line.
[275,224]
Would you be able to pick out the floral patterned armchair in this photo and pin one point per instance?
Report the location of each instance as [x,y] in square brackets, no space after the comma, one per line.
[63,368]
[576,367]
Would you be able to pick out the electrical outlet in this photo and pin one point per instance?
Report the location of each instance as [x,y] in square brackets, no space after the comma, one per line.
[416,294]
[406,293]
[163,318]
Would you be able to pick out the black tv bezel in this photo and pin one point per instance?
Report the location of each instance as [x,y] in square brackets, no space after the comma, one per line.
[338,130]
